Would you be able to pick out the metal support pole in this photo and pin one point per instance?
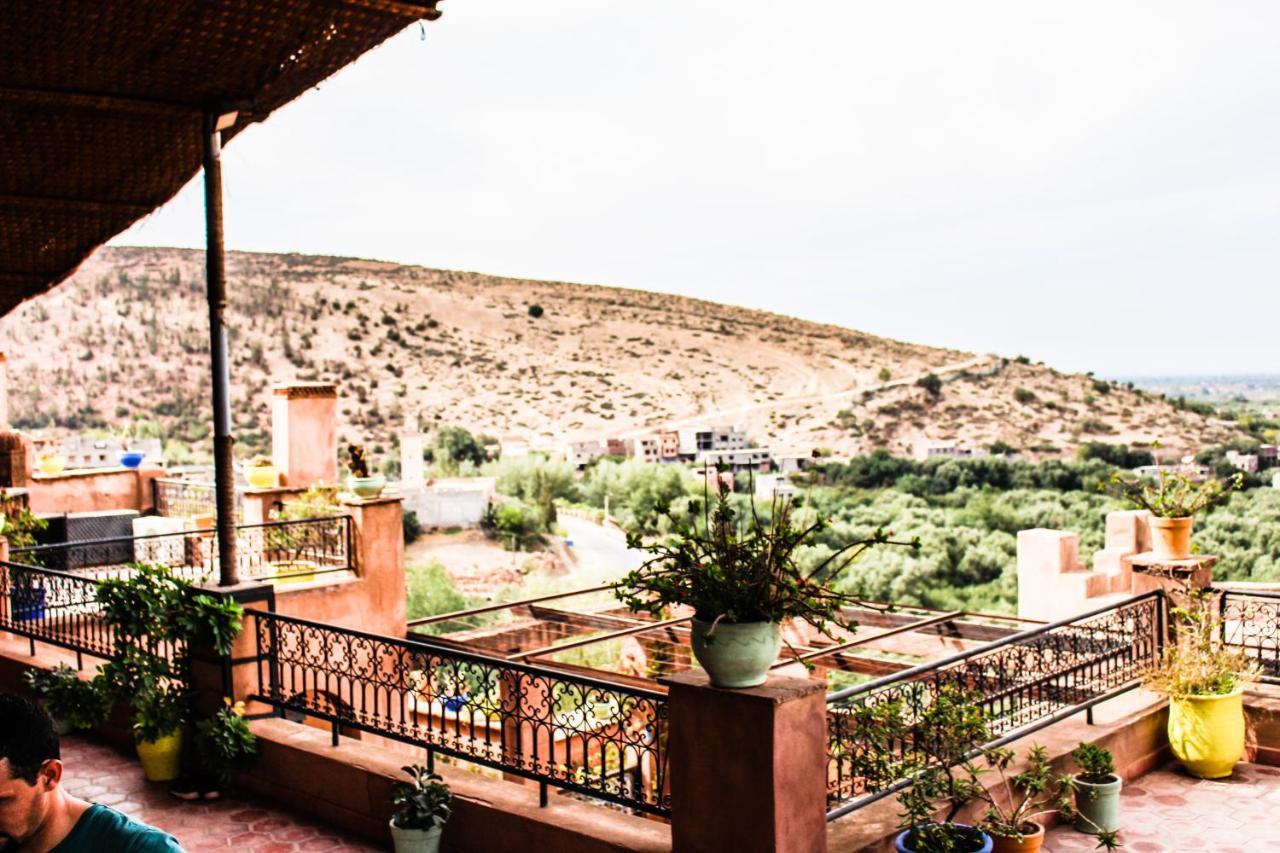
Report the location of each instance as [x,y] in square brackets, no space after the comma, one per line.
[216,280]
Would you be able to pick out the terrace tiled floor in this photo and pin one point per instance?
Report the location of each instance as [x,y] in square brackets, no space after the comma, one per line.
[1168,811]
[102,774]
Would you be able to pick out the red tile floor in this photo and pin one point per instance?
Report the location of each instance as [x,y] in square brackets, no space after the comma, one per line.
[102,774]
[1168,811]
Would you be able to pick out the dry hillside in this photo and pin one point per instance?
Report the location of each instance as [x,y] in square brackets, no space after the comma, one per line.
[126,338]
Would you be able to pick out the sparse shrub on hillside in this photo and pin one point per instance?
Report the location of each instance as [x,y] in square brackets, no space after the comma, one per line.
[1024,396]
[931,383]
[884,375]
[535,311]
[1022,359]
[1101,387]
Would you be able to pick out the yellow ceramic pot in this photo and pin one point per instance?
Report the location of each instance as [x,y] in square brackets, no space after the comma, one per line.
[261,476]
[162,758]
[1171,538]
[1207,733]
[51,463]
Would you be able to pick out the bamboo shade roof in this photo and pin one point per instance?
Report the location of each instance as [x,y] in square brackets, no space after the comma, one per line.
[102,105]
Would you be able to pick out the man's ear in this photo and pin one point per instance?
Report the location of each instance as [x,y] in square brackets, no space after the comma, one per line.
[49,775]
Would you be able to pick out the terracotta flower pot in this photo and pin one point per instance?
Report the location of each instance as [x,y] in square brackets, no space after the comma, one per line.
[1171,538]
[1029,842]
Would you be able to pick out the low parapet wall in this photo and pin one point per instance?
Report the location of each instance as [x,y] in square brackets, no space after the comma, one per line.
[93,490]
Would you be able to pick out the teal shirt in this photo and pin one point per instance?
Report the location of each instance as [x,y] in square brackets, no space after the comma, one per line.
[102,829]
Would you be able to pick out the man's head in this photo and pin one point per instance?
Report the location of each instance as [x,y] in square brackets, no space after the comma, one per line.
[30,767]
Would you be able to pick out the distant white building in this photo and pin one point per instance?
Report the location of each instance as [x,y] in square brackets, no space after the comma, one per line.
[1246,462]
[698,440]
[790,463]
[749,459]
[647,448]
[452,501]
[1275,480]
[580,454]
[952,451]
[86,451]
[770,486]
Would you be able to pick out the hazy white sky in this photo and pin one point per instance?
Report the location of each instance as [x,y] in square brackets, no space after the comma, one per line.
[1093,184]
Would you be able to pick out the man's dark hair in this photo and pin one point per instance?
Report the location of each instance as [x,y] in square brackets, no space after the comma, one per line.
[27,738]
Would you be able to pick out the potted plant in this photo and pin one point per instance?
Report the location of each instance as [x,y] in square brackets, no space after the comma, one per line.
[1204,679]
[154,619]
[1014,806]
[943,736]
[1097,789]
[359,481]
[423,806]
[73,703]
[160,712]
[741,576]
[51,462]
[1173,499]
[225,746]
[261,473]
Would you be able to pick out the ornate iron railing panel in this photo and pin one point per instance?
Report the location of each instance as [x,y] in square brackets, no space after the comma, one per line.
[1251,620]
[185,498]
[53,607]
[1025,682]
[596,738]
[293,550]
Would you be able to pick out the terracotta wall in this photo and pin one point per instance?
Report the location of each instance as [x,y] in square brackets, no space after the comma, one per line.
[93,490]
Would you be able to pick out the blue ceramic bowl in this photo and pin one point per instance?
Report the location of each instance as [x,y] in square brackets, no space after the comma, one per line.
[132,459]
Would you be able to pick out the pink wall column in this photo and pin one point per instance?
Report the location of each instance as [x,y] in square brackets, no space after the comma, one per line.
[304,433]
[748,768]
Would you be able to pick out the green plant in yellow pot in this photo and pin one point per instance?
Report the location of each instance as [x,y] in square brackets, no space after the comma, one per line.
[160,715]
[1204,679]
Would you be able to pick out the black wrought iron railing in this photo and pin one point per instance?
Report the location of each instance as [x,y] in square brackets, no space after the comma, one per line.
[53,607]
[294,550]
[1251,621]
[599,739]
[1026,681]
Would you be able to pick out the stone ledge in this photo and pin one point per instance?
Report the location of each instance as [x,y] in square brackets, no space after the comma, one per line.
[350,785]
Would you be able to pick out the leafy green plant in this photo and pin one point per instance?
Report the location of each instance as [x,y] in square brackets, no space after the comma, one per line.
[1171,494]
[1014,805]
[1196,662]
[160,709]
[742,568]
[81,704]
[224,742]
[1097,767]
[423,802]
[155,617]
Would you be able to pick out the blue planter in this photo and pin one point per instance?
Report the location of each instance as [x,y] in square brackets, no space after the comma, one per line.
[456,703]
[975,840]
[27,603]
[132,459]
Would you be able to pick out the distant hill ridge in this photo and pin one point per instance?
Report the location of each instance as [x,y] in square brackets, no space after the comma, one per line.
[126,337]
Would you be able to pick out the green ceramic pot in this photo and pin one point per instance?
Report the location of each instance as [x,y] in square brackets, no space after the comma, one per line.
[1098,804]
[736,656]
[367,487]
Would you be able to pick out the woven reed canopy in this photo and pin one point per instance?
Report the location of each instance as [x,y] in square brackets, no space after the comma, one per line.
[102,104]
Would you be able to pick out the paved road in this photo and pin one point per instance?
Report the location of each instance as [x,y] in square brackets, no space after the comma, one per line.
[602,553]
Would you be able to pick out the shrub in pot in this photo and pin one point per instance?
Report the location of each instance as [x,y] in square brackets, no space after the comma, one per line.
[1097,789]
[423,806]
[1014,806]
[225,747]
[73,703]
[1204,679]
[154,619]
[1173,499]
[740,575]
[359,481]
[160,713]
